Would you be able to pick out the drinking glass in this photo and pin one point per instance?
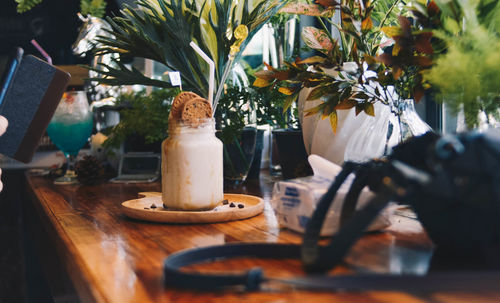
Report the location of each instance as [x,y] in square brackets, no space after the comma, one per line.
[69,129]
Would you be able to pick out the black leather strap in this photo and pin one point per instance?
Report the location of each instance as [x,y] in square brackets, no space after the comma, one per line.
[173,276]
[324,257]
[311,257]
[333,254]
[351,199]
[251,280]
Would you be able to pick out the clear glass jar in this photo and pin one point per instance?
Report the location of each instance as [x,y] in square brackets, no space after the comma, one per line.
[392,124]
[192,170]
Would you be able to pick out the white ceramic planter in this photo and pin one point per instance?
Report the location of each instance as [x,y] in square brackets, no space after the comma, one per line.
[318,136]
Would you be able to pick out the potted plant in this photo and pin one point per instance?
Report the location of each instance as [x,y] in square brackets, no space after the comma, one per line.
[143,120]
[150,30]
[163,30]
[233,117]
[465,77]
[269,104]
[350,78]
[286,135]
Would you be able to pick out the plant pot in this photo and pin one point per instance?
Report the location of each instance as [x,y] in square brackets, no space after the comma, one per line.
[274,157]
[319,138]
[292,153]
[257,158]
[238,156]
[377,135]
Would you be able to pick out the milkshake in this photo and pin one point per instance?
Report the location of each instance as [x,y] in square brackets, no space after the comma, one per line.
[192,176]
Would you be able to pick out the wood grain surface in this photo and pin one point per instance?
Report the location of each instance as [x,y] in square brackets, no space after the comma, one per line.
[113,258]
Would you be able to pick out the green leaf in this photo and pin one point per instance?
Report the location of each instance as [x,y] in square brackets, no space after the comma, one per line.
[121,75]
[26,5]
[265,74]
[346,104]
[282,74]
[96,8]
[346,93]
[317,39]
[289,101]
[370,60]
[259,82]
[286,91]
[312,60]
[162,30]
[367,24]
[392,31]
[369,109]
[333,121]
[317,93]
[142,114]
[451,25]
[314,110]
[359,108]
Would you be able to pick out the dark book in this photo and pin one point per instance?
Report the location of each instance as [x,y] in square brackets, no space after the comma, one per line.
[31,90]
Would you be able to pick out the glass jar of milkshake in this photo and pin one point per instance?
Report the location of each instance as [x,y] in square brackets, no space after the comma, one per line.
[192,166]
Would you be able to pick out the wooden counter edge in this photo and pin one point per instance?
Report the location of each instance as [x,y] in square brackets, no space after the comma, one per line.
[64,247]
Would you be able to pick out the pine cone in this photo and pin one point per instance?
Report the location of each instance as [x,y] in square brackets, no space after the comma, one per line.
[89,170]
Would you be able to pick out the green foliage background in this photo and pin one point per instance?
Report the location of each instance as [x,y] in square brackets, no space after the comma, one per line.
[142,114]
[468,74]
[96,8]
[162,31]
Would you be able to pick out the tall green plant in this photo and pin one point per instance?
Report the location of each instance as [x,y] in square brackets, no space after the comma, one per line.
[162,30]
[467,75]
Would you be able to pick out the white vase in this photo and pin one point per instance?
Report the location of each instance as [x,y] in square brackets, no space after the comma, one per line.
[318,136]
[362,137]
[376,136]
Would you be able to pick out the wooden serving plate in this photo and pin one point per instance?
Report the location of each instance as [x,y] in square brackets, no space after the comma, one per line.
[141,209]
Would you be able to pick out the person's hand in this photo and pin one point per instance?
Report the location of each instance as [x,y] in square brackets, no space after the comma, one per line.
[3,128]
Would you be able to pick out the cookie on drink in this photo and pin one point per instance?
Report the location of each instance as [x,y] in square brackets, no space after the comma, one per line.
[194,110]
[178,103]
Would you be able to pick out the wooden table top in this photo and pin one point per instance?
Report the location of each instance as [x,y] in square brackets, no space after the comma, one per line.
[111,258]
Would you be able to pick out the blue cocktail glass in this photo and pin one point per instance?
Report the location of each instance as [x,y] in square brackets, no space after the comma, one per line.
[69,129]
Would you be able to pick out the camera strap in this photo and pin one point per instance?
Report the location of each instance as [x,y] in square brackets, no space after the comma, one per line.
[319,259]
[253,279]
[314,257]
